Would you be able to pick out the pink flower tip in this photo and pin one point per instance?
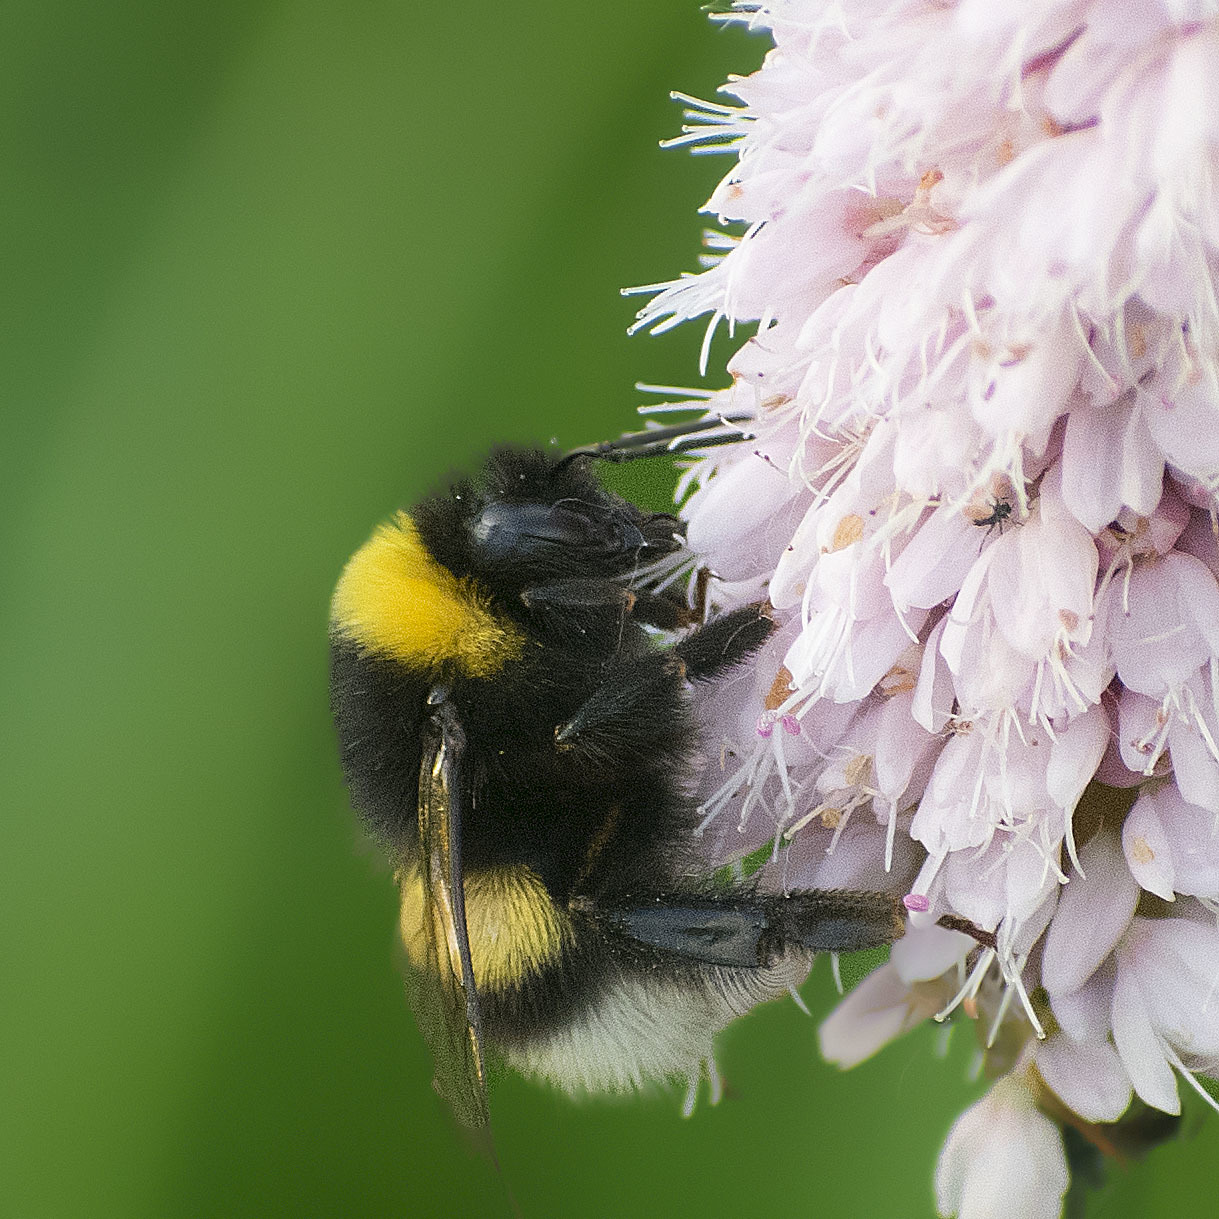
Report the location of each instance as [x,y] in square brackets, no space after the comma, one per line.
[768,719]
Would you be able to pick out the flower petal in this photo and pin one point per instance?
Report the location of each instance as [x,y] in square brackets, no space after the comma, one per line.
[1089,1078]
[1146,847]
[1002,1157]
[1094,910]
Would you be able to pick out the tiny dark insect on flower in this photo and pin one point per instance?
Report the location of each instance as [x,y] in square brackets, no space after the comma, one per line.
[999,515]
[993,506]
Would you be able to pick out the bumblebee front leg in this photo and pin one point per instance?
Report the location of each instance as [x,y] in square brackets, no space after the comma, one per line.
[632,705]
[719,645]
[566,601]
[568,611]
[626,714]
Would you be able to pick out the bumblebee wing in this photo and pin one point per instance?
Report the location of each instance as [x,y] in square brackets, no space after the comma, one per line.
[439,975]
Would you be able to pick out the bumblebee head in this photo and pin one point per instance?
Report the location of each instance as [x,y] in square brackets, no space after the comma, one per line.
[533,518]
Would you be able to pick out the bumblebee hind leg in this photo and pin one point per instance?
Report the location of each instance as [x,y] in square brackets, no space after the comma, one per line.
[755,931]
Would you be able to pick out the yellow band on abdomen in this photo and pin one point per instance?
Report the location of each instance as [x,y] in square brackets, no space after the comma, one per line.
[514,927]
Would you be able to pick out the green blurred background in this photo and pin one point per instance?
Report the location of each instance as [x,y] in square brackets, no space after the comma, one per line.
[270,270]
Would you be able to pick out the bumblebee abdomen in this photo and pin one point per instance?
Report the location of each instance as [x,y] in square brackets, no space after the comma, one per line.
[631,1023]
[516,932]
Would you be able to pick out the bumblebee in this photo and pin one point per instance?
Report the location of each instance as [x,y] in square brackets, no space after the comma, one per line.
[516,737]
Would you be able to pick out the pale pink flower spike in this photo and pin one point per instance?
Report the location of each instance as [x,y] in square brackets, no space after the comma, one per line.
[978,244]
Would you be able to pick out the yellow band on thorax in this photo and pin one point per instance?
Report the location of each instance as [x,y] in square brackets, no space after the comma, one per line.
[394,599]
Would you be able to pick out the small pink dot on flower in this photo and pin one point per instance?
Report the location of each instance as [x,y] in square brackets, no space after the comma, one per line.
[916,902]
[791,725]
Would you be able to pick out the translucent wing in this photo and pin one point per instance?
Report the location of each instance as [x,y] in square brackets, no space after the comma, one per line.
[439,976]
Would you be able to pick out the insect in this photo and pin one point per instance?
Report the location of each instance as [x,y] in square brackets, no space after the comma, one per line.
[993,509]
[517,739]
[1000,511]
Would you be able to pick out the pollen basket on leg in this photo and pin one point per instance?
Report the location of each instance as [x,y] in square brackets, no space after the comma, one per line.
[394,599]
[514,927]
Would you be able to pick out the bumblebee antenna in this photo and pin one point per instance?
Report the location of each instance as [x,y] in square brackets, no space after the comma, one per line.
[673,438]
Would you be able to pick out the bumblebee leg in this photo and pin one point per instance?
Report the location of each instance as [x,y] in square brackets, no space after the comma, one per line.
[668,610]
[629,708]
[572,609]
[658,610]
[573,599]
[622,716]
[836,920]
[753,932]
[567,596]
[702,591]
[717,646]
[954,922]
